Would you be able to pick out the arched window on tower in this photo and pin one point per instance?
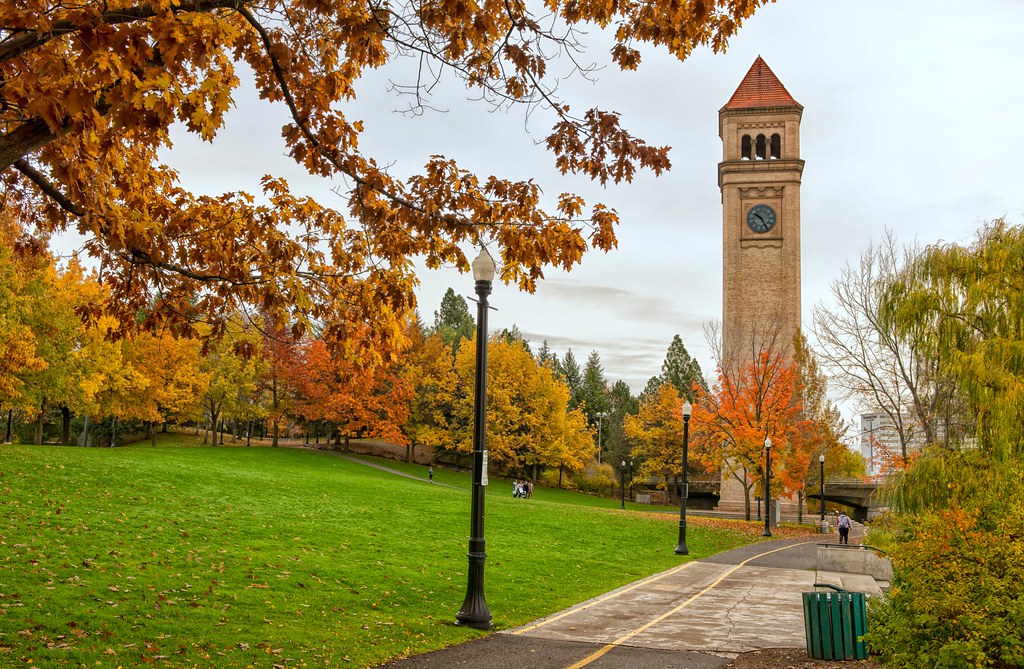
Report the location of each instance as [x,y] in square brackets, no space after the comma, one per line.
[760,148]
[745,148]
[776,147]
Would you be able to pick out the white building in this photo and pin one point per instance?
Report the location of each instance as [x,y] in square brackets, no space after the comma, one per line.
[880,440]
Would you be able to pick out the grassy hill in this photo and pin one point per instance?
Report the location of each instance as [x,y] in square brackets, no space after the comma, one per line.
[230,557]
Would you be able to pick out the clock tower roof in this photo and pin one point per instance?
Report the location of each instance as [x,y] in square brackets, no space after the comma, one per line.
[759,89]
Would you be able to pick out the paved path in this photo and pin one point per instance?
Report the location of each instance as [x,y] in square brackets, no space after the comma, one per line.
[699,615]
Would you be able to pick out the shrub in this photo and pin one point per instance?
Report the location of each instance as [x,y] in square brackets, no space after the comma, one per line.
[957,596]
[595,478]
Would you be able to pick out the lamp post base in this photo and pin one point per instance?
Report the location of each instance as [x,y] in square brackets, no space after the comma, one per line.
[474,612]
[681,549]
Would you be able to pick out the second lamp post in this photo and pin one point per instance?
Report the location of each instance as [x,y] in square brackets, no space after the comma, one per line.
[681,548]
[821,461]
[767,481]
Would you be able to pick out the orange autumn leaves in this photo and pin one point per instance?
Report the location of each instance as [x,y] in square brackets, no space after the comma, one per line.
[729,425]
[92,90]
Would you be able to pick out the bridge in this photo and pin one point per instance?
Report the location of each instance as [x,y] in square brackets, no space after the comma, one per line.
[863,496]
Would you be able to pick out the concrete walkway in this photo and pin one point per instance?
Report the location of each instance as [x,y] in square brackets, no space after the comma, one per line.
[699,615]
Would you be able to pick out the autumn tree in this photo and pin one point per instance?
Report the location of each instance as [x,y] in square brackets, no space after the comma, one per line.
[173,387]
[79,360]
[91,91]
[529,423]
[278,382]
[656,433]
[20,279]
[233,365]
[429,367]
[820,430]
[753,399]
[357,401]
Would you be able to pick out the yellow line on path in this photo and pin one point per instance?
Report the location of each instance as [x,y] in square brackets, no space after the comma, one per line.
[639,630]
[604,598]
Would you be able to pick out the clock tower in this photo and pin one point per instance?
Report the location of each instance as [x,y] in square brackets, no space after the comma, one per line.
[760,181]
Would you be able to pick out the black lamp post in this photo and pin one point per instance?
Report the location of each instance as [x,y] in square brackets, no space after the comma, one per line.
[681,549]
[474,611]
[821,461]
[622,477]
[767,478]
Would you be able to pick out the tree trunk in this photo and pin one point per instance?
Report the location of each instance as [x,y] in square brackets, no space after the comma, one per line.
[561,470]
[39,424]
[345,448]
[10,416]
[800,507]
[152,433]
[248,432]
[65,426]
[277,432]
[214,416]
[113,432]
[163,427]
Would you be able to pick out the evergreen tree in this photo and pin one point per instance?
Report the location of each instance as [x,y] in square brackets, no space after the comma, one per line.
[570,372]
[594,388]
[622,403]
[453,321]
[651,389]
[515,336]
[681,370]
[545,356]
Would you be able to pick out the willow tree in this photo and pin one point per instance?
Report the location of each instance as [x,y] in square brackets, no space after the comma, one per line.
[965,303]
[90,91]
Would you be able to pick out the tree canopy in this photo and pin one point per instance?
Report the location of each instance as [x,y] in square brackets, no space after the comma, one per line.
[91,90]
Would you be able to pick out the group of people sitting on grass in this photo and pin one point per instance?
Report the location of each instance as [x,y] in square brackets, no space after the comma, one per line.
[522,489]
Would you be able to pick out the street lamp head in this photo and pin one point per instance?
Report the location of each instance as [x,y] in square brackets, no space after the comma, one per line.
[623,466]
[687,410]
[767,443]
[821,458]
[483,266]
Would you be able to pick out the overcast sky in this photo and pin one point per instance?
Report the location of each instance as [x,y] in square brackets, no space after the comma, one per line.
[912,122]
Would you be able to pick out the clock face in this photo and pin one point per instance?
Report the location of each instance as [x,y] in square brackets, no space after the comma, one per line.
[761,218]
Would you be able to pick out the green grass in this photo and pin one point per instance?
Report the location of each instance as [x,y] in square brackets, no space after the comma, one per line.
[236,557]
[462,479]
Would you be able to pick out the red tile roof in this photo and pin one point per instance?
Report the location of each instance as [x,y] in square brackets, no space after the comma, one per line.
[761,88]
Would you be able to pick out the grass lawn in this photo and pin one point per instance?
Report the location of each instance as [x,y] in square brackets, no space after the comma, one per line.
[236,557]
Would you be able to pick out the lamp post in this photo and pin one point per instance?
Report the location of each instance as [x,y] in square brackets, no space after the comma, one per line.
[681,549]
[821,461]
[600,415]
[622,477]
[474,611]
[767,478]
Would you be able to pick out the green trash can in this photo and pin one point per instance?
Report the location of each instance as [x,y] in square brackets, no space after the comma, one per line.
[834,623]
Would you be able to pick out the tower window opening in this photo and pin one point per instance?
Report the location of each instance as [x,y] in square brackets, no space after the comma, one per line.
[776,147]
[761,148]
[745,148]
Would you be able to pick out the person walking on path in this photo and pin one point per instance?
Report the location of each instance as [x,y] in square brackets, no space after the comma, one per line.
[844,528]
[431,474]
